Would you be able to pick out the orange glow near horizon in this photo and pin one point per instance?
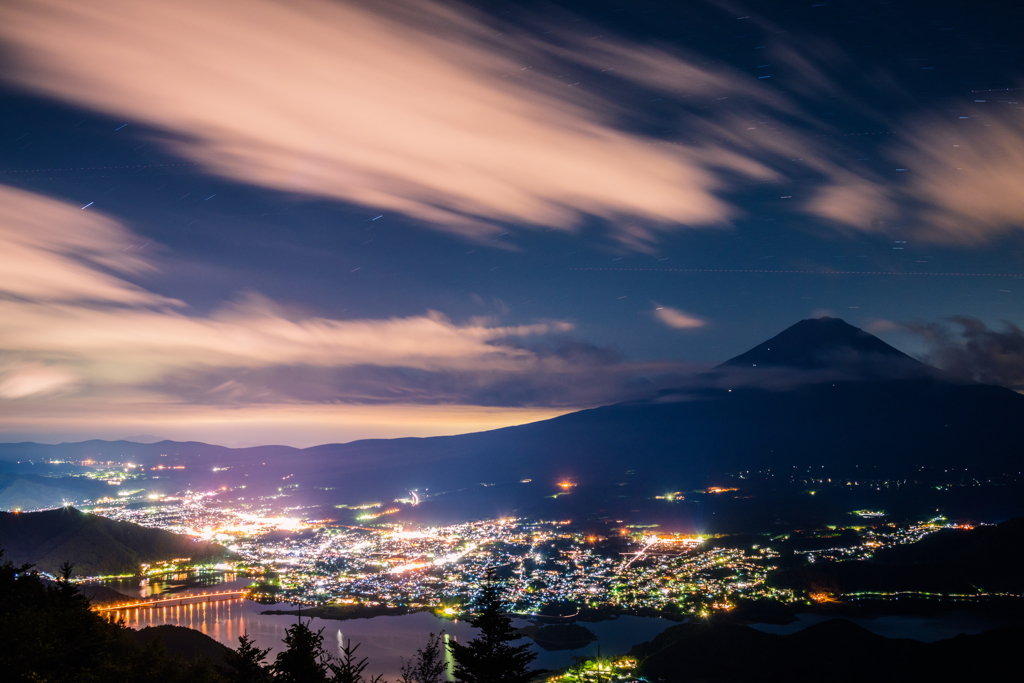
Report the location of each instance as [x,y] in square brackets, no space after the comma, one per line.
[298,425]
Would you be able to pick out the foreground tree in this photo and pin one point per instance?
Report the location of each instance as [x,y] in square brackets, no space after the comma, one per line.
[490,658]
[347,669]
[427,665]
[305,660]
[248,662]
[577,669]
[48,632]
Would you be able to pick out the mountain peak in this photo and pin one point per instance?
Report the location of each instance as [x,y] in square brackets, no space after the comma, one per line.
[823,342]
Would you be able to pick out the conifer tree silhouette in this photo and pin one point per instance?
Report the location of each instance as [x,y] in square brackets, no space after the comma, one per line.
[427,665]
[489,658]
[305,660]
[248,662]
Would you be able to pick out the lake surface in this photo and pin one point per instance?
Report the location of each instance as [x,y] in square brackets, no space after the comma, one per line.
[384,640]
[927,629]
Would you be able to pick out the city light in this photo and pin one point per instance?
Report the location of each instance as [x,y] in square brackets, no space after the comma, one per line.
[438,568]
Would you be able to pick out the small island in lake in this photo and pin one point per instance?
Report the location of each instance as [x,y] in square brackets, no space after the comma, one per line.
[561,636]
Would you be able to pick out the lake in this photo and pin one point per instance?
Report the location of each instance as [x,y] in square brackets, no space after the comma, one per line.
[384,640]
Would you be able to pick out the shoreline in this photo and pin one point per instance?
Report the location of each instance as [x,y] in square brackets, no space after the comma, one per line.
[346,612]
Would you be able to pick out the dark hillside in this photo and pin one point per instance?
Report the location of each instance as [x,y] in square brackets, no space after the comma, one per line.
[835,650]
[984,559]
[50,633]
[97,546]
[180,641]
[33,492]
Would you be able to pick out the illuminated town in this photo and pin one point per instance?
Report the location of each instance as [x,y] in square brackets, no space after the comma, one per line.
[440,568]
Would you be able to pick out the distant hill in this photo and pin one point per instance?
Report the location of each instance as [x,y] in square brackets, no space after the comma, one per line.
[33,492]
[144,438]
[97,546]
[103,595]
[835,650]
[820,394]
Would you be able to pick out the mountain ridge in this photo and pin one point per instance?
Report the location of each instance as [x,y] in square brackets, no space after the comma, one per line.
[874,415]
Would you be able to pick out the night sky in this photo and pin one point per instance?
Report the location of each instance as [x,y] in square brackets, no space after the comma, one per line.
[305,222]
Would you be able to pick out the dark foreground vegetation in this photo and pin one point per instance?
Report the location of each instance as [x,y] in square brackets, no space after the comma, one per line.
[50,633]
[835,650]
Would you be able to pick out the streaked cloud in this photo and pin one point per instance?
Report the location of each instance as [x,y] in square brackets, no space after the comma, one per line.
[138,344]
[960,161]
[453,117]
[546,380]
[961,180]
[97,337]
[967,174]
[428,109]
[71,312]
[855,203]
[33,380]
[52,251]
[677,319]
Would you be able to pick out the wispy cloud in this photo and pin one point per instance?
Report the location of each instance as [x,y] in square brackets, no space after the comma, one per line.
[140,343]
[962,180]
[92,335]
[454,117]
[66,313]
[952,173]
[550,378]
[23,381]
[677,319]
[422,108]
[967,174]
[52,251]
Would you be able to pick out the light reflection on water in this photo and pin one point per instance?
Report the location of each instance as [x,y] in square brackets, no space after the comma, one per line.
[179,583]
[384,640]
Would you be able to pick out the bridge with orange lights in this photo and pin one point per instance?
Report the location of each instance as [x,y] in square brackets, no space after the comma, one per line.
[175,601]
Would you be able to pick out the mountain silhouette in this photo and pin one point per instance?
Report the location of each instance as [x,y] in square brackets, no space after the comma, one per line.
[822,394]
[823,343]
